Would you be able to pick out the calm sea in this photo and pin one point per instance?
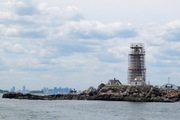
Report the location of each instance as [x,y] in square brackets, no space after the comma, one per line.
[11,109]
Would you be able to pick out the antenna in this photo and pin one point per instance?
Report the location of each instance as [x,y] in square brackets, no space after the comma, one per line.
[168,79]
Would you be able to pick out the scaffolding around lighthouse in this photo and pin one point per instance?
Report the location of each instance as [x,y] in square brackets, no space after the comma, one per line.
[136,64]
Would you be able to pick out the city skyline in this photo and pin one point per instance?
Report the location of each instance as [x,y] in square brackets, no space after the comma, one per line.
[78,44]
[55,90]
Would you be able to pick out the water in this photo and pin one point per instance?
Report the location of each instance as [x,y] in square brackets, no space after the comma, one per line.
[11,109]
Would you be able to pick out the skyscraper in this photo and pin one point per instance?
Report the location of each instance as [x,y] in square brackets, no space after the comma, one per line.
[24,88]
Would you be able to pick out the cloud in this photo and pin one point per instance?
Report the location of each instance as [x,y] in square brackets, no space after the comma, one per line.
[74,48]
[33,34]
[70,13]
[10,48]
[27,19]
[69,62]
[172,31]
[22,7]
[97,30]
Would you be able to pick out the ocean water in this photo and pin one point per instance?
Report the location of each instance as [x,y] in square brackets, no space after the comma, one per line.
[11,109]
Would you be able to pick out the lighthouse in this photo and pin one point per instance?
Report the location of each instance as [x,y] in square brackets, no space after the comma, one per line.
[136,65]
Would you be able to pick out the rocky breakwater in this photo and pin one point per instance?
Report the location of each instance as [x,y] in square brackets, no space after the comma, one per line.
[14,95]
[145,93]
[109,93]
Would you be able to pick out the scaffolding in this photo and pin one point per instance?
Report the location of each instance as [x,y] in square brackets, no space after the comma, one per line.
[136,63]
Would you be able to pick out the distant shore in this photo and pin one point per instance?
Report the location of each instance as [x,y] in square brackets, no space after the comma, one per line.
[109,93]
[3,91]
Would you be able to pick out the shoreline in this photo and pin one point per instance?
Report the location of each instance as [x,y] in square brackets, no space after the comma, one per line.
[108,93]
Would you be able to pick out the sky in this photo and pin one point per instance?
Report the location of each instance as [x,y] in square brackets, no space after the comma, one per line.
[78,43]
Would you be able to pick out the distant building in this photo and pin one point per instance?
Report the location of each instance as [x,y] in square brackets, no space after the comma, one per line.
[13,89]
[24,88]
[170,86]
[56,90]
[114,82]
[156,86]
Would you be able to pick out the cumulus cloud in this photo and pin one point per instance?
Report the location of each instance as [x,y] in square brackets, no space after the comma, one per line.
[167,53]
[171,31]
[26,19]
[33,34]
[97,30]
[22,7]
[12,48]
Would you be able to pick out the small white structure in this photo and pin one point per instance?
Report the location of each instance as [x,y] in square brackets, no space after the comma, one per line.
[169,86]
[114,82]
[138,81]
